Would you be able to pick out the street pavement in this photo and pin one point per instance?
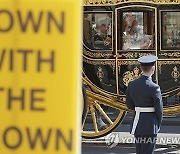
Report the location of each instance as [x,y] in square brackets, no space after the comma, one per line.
[125,149]
[170,130]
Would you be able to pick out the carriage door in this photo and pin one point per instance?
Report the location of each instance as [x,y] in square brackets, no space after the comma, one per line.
[169,55]
[98,50]
[135,37]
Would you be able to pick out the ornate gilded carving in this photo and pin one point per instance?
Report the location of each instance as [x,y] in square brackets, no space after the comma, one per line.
[101,62]
[101,2]
[127,77]
[130,75]
[175,73]
[126,62]
[98,54]
[100,73]
[129,55]
[170,54]
[136,72]
[132,55]
[116,2]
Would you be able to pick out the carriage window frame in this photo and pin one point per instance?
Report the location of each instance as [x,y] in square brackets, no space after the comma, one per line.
[161,33]
[135,8]
[112,31]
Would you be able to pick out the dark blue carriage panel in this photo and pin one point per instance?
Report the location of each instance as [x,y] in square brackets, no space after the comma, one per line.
[169,81]
[101,73]
[128,71]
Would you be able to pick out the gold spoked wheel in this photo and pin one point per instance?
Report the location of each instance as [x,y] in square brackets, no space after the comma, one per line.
[99,114]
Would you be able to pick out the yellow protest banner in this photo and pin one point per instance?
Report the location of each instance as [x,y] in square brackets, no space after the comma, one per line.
[39,76]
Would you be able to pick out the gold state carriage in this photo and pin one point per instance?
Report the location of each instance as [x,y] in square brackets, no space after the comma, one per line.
[115,34]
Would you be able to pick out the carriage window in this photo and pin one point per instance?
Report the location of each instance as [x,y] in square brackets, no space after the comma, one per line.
[98,31]
[136,30]
[170,30]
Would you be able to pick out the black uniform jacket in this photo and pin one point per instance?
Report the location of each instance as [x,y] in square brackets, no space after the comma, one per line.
[143,92]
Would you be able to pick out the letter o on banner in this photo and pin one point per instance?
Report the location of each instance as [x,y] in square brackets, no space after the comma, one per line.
[9,15]
[19,137]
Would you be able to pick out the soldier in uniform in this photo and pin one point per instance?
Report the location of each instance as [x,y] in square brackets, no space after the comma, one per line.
[144,97]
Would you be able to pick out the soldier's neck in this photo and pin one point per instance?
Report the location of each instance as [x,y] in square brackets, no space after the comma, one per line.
[147,74]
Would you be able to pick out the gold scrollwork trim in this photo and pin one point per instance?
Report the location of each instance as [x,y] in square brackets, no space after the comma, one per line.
[96,54]
[116,2]
[170,54]
[99,62]
[132,55]
[128,55]
[130,75]
[175,73]
[124,62]
[160,63]
[100,73]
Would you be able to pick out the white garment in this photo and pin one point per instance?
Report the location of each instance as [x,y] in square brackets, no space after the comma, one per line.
[138,111]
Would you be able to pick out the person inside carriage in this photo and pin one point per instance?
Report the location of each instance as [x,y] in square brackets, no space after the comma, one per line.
[103,36]
[133,33]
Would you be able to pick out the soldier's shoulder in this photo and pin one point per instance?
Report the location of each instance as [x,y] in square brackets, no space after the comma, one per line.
[155,86]
[132,82]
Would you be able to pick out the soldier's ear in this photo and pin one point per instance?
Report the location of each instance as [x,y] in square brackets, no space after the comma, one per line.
[153,68]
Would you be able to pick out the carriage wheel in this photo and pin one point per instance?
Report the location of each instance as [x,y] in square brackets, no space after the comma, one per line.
[111,116]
